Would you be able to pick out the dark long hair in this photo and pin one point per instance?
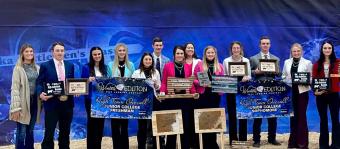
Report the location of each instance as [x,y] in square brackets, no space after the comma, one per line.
[141,64]
[332,57]
[102,66]
[185,47]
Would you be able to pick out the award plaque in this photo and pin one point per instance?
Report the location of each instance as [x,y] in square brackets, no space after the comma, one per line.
[224,84]
[238,68]
[203,78]
[320,84]
[268,65]
[77,86]
[301,78]
[54,88]
[179,84]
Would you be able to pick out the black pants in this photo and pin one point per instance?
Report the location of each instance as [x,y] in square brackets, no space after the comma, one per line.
[188,125]
[95,127]
[120,138]
[272,123]
[324,101]
[231,108]
[63,116]
[209,100]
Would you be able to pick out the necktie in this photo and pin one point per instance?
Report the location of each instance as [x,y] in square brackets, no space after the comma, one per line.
[61,72]
[158,65]
[265,56]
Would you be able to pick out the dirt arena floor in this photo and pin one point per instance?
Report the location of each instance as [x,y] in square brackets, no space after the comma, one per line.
[107,142]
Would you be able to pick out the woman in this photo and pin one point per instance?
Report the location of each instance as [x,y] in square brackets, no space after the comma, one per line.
[95,68]
[24,103]
[323,68]
[121,67]
[147,71]
[298,123]
[190,56]
[180,70]
[236,52]
[208,99]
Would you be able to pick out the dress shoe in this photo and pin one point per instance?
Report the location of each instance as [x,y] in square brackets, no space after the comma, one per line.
[257,144]
[274,142]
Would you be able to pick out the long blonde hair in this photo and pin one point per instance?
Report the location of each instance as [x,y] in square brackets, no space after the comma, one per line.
[116,59]
[21,58]
[216,65]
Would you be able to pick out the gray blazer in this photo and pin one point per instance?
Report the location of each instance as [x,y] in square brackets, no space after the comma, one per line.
[254,64]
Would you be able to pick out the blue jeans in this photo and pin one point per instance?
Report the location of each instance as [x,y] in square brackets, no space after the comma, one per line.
[24,133]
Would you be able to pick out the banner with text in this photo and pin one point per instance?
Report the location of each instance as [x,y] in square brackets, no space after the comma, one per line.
[263,99]
[125,98]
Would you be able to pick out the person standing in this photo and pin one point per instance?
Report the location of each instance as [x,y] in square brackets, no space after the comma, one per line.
[177,69]
[323,68]
[258,75]
[208,99]
[95,68]
[298,137]
[121,67]
[147,71]
[24,103]
[58,109]
[236,52]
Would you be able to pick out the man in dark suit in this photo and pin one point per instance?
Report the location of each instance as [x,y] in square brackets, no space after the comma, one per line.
[258,75]
[58,109]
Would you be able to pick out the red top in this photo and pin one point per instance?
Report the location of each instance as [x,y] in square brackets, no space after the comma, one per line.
[334,81]
[169,71]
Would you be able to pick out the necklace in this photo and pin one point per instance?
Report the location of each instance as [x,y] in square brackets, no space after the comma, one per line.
[295,64]
[121,66]
[179,68]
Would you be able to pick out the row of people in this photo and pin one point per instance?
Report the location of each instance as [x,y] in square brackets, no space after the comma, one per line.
[28,79]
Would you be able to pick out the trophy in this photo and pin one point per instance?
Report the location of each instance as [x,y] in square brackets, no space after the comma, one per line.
[179,84]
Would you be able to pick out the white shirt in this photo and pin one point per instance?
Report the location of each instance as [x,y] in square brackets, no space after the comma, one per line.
[97,72]
[56,63]
[262,55]
[155,59]
[230,59]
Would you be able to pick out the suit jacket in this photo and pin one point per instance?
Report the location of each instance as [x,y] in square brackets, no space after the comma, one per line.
[199,68]
[169,71]
[304,66]
[163,62]
[48,73]
[155,78]
[127,72]
[335,81]
[254,64]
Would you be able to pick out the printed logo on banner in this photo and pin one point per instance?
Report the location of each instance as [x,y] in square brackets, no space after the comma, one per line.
[263,99]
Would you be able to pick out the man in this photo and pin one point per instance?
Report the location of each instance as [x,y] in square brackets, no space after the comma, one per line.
[258,75]
[159,59]
[58,109]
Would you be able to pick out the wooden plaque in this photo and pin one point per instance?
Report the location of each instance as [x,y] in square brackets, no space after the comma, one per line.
[167,122]
[268,65]
[210,120]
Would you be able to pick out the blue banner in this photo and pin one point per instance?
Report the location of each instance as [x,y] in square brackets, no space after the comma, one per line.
[263,99]
[125,98]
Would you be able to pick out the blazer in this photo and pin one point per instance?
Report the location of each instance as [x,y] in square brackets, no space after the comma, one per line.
[334,81]
[164,60]
[199,68]
[304,66]
[20,95]
[85,73]
[48,73]
[254,64]
[127,72]
[169,71]
[194,63]
[155,78]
